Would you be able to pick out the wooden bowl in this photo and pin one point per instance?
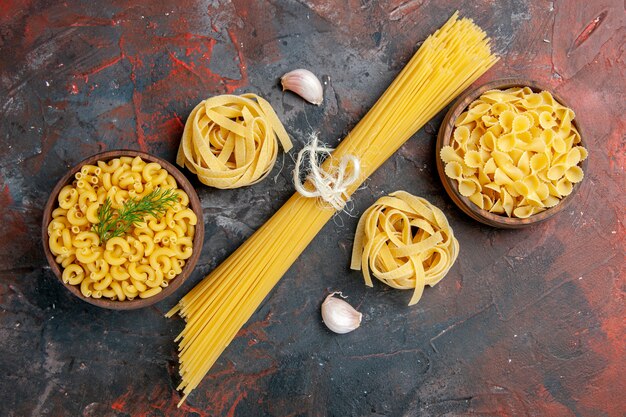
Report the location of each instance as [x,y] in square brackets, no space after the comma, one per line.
[177,281]
[464,203]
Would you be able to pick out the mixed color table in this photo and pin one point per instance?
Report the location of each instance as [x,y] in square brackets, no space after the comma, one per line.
[527,323]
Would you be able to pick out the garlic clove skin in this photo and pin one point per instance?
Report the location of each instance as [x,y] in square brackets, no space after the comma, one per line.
[339,316]
[305,84]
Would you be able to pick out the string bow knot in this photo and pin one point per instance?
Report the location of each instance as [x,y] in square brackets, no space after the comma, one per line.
[330,184]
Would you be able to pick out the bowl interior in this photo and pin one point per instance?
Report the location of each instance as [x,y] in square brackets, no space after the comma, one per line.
[194,204]
[444,138]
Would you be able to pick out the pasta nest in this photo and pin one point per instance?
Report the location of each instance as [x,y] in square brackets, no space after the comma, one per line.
[406,242]
[231,141]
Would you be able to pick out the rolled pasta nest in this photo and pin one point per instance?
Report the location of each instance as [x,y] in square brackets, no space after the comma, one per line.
[406,242]
[232,141]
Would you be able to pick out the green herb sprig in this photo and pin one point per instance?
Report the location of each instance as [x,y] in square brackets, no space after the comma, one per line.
[114,223]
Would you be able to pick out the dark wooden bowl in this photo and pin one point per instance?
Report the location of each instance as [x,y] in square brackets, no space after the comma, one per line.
[464,203]
[175,283]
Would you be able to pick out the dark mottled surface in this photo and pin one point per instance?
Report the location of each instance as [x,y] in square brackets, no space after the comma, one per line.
[527,323]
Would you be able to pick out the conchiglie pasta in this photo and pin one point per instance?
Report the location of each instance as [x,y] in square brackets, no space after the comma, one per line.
[515,152]
[138,264]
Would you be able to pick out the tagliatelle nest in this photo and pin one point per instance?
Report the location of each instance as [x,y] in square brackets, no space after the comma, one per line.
[406,242]
[232,141]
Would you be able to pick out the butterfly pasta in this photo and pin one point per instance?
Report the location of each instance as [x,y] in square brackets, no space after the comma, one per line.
[231,141]
[406,242]
[515,152]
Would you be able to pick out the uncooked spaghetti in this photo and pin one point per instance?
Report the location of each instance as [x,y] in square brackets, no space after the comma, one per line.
[446,64]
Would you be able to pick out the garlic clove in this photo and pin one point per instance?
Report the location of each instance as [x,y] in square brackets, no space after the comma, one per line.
[305,84]
[339,316]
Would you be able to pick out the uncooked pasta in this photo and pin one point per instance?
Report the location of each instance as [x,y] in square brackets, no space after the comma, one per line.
[446,64]
[231,141]
[99,256]
[515,152]
[406,242]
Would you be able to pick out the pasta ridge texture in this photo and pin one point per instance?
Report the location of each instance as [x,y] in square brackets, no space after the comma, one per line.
[231,141]
[139,263]
[215,310]
[406,242]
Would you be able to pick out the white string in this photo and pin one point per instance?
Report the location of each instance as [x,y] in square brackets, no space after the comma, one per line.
[331,187]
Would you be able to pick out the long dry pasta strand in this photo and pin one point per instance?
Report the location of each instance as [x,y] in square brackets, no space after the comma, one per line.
[447,63]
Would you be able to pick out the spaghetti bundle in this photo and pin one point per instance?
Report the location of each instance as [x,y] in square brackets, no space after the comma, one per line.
[231,141]
[406,242]
[215,309]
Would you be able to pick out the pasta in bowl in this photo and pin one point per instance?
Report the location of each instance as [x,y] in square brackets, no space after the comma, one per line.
[510,153]
[123,229]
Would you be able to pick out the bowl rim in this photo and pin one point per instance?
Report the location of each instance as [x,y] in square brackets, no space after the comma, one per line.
[445,134]
[194,204]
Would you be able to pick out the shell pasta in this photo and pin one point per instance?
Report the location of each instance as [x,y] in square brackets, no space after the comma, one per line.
[515,152]
[138,263]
